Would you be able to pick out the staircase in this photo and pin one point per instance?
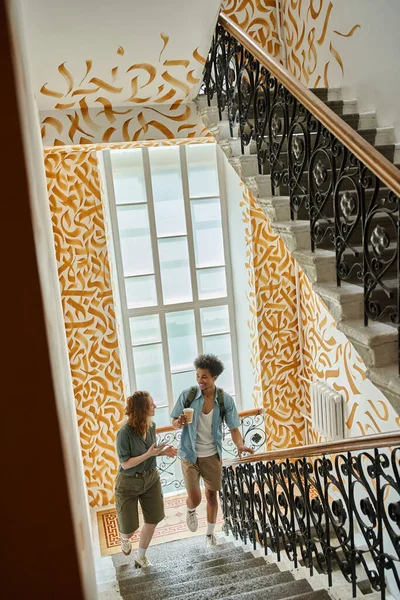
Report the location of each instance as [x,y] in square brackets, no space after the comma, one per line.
[377,344]
[186,570]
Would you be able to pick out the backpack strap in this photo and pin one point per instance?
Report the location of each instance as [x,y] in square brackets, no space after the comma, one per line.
[220,398]
[190,397]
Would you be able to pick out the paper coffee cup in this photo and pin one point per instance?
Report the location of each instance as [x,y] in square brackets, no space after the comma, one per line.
[188,412]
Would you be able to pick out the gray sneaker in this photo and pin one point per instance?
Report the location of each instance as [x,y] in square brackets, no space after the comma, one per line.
[211,541]
[141,563]
[126,546]
[192,520]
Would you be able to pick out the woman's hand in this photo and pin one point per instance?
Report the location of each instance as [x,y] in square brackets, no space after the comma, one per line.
[170,451]
[156,450]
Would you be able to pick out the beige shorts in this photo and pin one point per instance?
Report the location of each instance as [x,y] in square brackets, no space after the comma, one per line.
[129,491]
[209,468]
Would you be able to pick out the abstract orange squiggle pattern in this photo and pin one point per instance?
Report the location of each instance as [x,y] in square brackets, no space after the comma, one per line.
[330,357]
[310,38]
[274,330]
[311,44]
[258,19]
[94,109]
[79,230]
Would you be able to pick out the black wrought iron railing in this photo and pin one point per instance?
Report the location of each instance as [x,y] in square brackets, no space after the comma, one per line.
[328,506]
[346,189]
[253,433]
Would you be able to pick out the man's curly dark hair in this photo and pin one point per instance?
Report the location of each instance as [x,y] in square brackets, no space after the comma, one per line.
[210,362]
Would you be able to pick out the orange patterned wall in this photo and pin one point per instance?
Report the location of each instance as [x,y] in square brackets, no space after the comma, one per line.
[274,350]
[329,356]
[312,45]
[258,19]
[88,304]
[127,105]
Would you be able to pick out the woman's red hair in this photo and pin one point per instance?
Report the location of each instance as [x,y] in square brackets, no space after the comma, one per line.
[137,411]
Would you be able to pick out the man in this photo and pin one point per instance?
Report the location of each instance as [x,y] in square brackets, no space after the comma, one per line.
[201,441]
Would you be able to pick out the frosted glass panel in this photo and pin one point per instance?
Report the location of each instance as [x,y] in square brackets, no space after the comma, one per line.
[207,233]
[162,418]
[181,339]
[214,319]
[141,291]
[170,217]
[202,170]
[211,283]
[175,272]
[134,233]
[128,176]
[145,330]
[182,381]
[165,174]
[220,345]
[149,370]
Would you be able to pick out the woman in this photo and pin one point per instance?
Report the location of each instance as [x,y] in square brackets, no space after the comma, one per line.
[138,478]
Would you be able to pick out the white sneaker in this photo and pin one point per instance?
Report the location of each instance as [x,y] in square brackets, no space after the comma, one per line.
[211,541]
[192,520]
[126,546]
[141,563]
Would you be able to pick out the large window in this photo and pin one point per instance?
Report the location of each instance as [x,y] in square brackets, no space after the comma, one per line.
[172,265]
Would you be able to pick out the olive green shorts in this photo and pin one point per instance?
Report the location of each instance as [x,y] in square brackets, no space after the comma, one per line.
[146,489]
[209,468]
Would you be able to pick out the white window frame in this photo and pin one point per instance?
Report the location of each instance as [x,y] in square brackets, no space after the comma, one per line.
[162,309]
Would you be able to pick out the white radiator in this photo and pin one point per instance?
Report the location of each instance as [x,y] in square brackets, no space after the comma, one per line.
[326,411]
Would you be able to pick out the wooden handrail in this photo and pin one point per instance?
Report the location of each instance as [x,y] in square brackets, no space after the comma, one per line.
[243,414]
[366,442]
[368,155]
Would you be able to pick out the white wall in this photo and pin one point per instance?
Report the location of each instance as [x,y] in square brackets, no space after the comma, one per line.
[370,57]
[234,198]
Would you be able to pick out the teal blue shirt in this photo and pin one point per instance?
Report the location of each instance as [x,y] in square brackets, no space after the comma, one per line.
[187,449]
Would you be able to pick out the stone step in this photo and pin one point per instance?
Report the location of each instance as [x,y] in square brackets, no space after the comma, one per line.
[312,595]
[319,266]
[295,234]
[124,565]
[161,578]
[376,344]
[259,185]
[343,302]
[274,587]
[387,379]
[276,208]
[245,166]
[207,583]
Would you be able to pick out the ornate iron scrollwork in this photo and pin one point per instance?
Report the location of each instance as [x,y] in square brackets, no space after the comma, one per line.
[349,209]
[329,512]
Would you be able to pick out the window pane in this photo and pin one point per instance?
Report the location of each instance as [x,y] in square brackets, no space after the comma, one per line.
[211,283]
[128,176]
[145,330]
[166,174]
[162,418]
[214,319]
[134,233]
[181,339]
[170,217]
[220,345]
[182,381]
[202,170]
[149,371]
[141,291]
[175,271]
[207,233]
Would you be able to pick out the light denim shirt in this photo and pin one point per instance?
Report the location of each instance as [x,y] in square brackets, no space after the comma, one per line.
[187,449]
